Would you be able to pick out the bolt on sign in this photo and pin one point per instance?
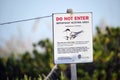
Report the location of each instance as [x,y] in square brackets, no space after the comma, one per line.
[72,35]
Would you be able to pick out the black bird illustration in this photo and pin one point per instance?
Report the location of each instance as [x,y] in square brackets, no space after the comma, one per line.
[72,35]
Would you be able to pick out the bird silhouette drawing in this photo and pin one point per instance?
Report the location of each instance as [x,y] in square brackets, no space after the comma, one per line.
[71,35]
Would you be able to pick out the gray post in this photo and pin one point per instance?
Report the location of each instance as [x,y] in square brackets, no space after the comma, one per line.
[73,72]
[73,66]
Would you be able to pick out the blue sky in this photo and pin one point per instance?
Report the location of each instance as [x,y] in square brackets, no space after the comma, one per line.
[12,10]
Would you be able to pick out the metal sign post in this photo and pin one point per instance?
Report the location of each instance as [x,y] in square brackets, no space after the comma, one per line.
[72,66]
[73,72]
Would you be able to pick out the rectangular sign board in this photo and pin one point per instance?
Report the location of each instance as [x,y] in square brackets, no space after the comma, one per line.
[72,35]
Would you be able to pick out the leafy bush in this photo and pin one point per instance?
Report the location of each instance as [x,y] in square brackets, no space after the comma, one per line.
[36,66]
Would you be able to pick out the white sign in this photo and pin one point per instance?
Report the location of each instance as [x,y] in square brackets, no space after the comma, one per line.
[73,38]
